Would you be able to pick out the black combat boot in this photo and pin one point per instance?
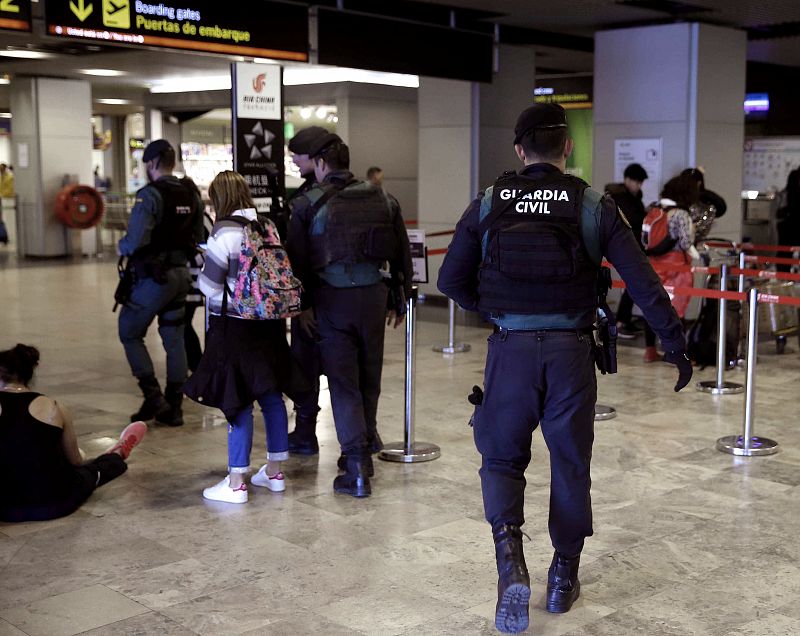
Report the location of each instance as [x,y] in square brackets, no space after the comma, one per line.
[563,587]
[154,401]
[173,414]
[513,583]
[303,439]
[355,480]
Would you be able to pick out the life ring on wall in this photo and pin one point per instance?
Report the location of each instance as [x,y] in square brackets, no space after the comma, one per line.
[79,206]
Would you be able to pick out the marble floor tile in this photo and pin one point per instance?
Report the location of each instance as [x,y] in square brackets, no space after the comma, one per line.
[7,629]
[148,624]
[73,612]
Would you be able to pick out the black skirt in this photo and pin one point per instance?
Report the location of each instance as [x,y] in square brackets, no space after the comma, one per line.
[243,360]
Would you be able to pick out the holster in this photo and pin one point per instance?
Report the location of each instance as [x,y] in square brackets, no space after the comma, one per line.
[127,279]
[605,333]
[396,300]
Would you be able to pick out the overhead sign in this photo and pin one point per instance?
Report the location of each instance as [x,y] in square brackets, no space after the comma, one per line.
[645,152]
[258,135]
[570,92]
[258,28]
[15,15]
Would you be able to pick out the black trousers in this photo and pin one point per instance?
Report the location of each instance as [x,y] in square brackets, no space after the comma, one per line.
[305,350]
[89,476]
[191,341]
[533,378]
[351,334]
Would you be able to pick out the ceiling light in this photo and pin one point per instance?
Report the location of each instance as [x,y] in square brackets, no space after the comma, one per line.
[26,54]
[5,115]
[305,113]
[112,101]
[264,60]
[4,80]
[296,76]
[102,72]
[321,112]
[192,84]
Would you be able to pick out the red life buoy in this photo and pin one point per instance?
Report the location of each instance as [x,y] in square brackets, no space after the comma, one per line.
[79,206]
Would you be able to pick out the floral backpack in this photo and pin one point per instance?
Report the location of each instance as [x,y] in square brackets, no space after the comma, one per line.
[266,288]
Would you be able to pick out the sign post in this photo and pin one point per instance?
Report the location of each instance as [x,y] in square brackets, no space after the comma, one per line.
[258,137]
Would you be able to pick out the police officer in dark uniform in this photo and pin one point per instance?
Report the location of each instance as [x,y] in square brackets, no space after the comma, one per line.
[165,226]
[527,254]
[341,233]
[303,439]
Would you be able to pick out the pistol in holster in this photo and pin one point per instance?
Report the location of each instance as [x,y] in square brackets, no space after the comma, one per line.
[605,332]
[127,279]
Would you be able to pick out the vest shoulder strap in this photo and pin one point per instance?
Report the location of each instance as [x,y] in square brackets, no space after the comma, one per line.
[590,224]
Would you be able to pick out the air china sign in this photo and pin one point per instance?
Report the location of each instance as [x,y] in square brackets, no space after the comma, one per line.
[258,91]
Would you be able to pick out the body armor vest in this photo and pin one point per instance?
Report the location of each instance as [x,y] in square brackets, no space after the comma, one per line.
[175,233]
[352,225]
[535,261]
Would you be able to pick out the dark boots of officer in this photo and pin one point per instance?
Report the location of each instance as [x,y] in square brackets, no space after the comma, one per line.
[513,583]
[355,480]
[376,446]
[303,439]
[563,587]
[154,402]
[172,415]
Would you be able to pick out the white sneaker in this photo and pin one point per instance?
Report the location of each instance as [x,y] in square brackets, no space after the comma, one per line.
[276,483]
[223,492]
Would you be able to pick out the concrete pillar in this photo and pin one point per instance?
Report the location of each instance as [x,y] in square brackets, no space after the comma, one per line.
[466,140]
[52,143]
[684,84]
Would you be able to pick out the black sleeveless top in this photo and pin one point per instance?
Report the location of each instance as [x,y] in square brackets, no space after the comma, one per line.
[34,471]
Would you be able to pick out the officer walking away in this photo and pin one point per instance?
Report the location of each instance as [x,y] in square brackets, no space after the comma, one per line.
[303,439]
[165,226]
[527,253]
[342,232]
[628,197]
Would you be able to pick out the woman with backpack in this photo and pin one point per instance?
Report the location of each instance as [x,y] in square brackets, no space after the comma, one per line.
[247,357]
[668,239]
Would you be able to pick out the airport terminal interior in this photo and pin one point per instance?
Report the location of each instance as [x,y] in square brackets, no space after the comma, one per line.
[688,539]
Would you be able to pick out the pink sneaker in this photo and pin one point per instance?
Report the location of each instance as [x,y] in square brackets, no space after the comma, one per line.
[129,439]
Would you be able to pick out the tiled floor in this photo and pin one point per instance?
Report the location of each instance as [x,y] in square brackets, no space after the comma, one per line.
[687,540]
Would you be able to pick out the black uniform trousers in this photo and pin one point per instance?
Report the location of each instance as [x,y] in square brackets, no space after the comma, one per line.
[351,331]
[533,378]
[305,350]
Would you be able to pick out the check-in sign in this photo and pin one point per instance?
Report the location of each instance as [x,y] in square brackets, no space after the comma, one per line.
[15,15]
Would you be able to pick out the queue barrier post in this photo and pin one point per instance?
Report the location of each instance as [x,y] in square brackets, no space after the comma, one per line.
[720,386]
[410,451]
[747,444]
[452,346]
[603,412]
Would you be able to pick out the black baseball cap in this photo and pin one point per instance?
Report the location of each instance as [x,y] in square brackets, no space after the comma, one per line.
[321,143]
[537,117]
[300,144]
[636,172]
[155,149]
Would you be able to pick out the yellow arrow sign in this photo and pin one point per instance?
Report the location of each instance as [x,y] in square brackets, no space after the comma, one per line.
[80,10]
[8,5]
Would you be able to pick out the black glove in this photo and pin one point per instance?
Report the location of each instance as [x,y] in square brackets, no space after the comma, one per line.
[680,360]
[476,397]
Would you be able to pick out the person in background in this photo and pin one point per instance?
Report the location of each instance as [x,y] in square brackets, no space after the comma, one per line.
[245,361]
[789,215]
[628,197]
[303,439]
[708,207]
[6,182]
[41,468]
[375,176]
[668,238]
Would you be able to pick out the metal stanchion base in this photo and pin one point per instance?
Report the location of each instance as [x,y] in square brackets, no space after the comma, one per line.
[461,347]
[727,388]
[603,412]
[420,452]
[734,445]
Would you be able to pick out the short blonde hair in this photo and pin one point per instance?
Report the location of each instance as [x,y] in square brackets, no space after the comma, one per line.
[229,192]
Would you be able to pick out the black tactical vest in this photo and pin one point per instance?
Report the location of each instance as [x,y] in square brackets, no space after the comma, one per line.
[355,227]
[175,233]
[535,261]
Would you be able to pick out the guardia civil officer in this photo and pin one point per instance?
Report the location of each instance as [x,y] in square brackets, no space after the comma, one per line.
[165,226]
[341,233]
[303,439]
[527,253]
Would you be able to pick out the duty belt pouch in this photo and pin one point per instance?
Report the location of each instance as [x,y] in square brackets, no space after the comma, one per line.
[605,346]
[122,293]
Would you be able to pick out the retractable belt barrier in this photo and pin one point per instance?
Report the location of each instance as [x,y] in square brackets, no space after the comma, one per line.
[754,247]
[452,346]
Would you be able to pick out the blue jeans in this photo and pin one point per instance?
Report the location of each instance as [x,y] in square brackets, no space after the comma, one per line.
[240,432]
[148,300]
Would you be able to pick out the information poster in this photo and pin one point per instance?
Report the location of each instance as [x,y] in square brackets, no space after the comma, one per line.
[259,29]
[768,162]
[258,135]
[419,255]
[15,15]
[647,153]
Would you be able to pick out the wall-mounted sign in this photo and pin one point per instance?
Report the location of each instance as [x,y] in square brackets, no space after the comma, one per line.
[262,28]
[15,15]
[647,153]
[258,139]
